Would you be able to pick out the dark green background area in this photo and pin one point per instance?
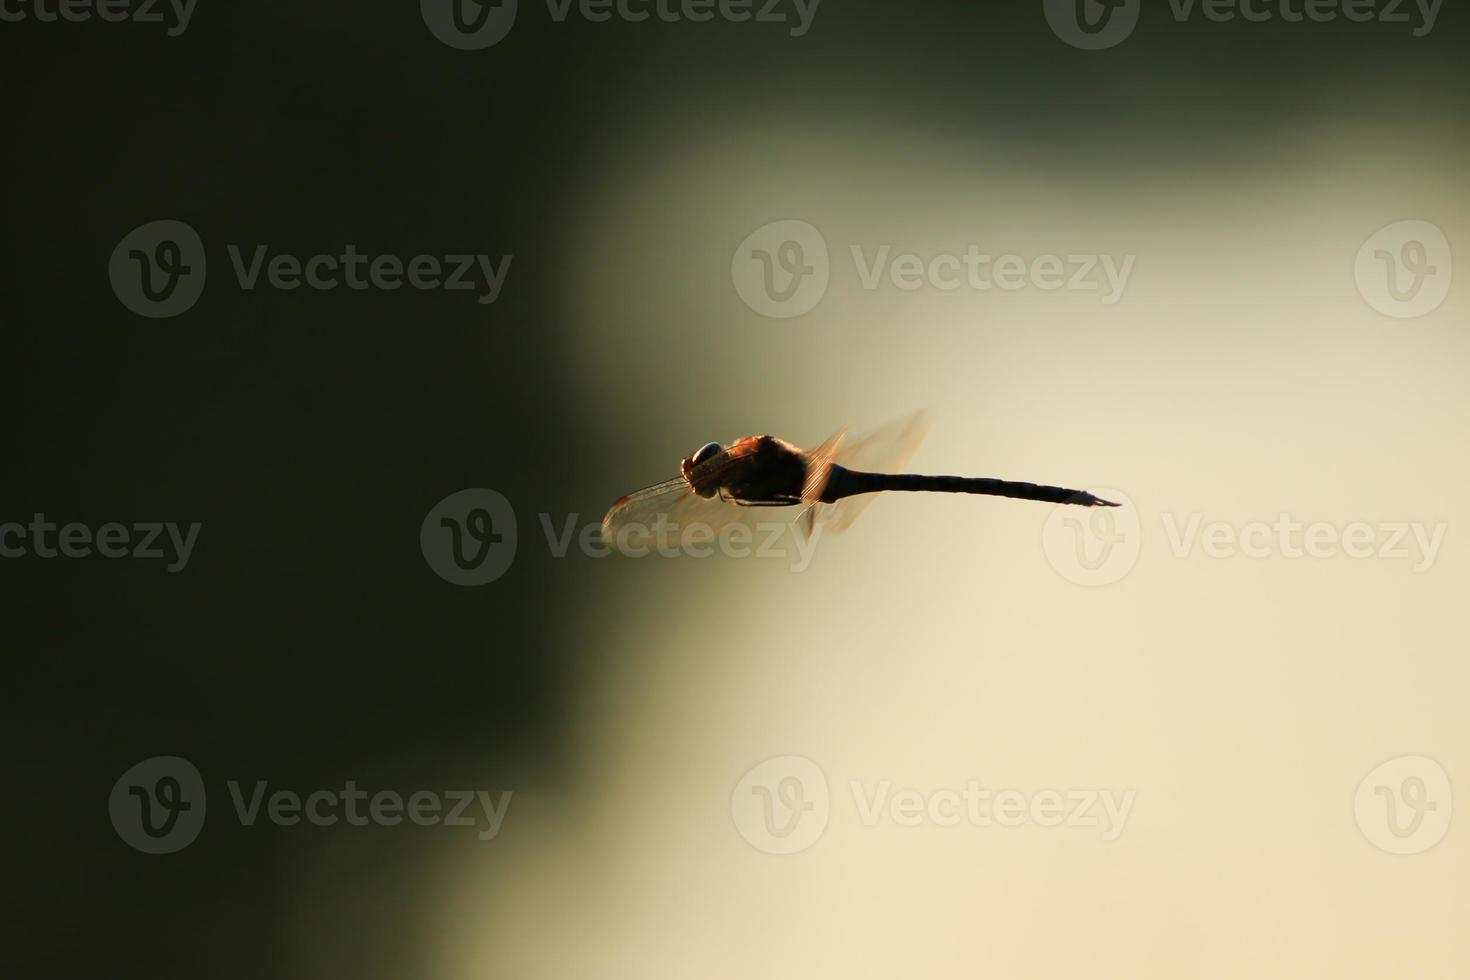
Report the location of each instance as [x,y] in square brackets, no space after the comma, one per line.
[307,642]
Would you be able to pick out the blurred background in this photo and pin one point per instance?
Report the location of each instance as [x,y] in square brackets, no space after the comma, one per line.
[723,767]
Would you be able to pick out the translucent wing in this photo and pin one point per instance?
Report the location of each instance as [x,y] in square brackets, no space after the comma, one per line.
[889,449]
[671,515]
[819,465]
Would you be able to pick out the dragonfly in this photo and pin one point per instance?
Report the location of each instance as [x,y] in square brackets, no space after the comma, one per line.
[719,485]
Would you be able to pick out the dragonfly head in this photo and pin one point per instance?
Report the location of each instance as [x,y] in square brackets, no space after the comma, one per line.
[705,487]
[707,451]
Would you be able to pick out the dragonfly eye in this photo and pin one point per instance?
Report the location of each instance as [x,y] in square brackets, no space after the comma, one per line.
[705,452]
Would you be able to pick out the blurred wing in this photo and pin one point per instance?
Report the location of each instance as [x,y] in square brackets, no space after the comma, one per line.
[819,465]
[670,515]
[889,449]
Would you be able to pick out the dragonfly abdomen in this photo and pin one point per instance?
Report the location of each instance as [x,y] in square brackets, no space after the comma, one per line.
[847,483]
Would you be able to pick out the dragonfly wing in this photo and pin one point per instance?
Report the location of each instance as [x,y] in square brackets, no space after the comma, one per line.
[889,449]
[670,515]
[819,466]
